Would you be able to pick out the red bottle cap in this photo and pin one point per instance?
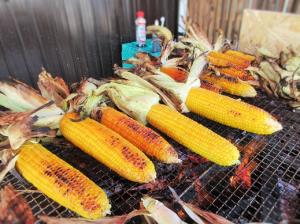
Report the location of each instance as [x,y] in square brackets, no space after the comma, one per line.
[140,14]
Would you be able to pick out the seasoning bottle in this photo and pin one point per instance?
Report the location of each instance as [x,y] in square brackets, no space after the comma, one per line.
[140,29]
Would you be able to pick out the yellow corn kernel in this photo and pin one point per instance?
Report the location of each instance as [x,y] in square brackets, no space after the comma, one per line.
[61,182]
[230,85]
[231,112]
[147,140]
[210,86]
[193,135]
[236,73]
[108,147]
[241,55]
[225,60]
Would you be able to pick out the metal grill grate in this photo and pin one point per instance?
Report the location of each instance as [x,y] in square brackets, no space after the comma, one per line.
[277,171]
[276,178]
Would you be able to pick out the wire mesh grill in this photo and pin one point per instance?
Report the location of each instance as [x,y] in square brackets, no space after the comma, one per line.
[272,196]
[275,178]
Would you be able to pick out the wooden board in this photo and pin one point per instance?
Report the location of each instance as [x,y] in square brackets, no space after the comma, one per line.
[272,30]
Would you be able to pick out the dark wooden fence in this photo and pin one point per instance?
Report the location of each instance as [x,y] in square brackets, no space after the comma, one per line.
[72,38]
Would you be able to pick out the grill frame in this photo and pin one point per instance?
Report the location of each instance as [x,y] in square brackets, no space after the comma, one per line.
[283,146]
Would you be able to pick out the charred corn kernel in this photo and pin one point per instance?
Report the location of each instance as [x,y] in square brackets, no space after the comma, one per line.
[176,73]
[231,112]
[108,147]
[147,140]
[193,135]
[61,182]
[230,85]
[210,86]
[223,60]
[241,55]
[237,73]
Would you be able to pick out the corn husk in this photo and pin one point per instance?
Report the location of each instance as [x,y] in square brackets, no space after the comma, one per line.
[195,36]
[159,212]
[280,76]
[47,115]
[269,71]
[166,51]
[17,96]
[70,103]
[54,89]
[161,31]
[292,64]
[9,117]
[265,52]
[8,167]
[131,98]
[220,42]
[138,81]
[86,87]
[176,91]
[13,207]
[30,125]
[198,47]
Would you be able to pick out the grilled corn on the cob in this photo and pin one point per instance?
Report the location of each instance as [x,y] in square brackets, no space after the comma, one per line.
[147,140]
[193,135]
[237,73]
[226,60]
[108,147]
[210,86]
[61,182]
[241,55]
[231,112]
[230,85]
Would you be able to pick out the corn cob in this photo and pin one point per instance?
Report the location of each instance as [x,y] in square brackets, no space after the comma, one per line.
[139,135]
[236,73]
[176,73]
[108,147]
[241,55]
[193,135]
[230,85]
[223,60]
[210,86]
[231,112]
[61,182]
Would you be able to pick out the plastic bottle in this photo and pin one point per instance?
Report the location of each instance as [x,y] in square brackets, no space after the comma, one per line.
[140,29]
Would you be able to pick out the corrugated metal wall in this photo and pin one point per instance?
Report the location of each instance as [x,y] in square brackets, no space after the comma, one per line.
[227,14]
[71,37]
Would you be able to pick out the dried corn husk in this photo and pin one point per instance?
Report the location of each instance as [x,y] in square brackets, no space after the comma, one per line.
[132,98]
[18,96]
[159,212]
[163,32]
[280,76]
[52,88]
